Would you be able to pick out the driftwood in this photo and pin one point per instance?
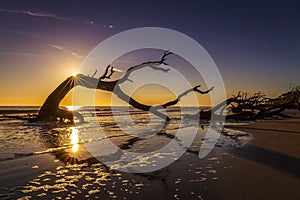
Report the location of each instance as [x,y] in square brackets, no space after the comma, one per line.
[241,107]
[50,111]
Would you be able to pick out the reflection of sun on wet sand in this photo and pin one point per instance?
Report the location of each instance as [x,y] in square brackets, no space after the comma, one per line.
[263,168]
[74,139]
[70,61]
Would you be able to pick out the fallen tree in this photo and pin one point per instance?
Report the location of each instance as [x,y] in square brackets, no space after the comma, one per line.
[50,110]
[240,107]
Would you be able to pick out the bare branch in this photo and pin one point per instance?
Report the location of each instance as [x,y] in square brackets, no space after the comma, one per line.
[108,73]
[155,65]
[164,57]
[202,92]
[51,111]
[195,89]
[94,74]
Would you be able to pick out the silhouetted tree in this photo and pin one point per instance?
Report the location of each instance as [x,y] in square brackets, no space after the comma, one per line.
[50,111]
[258,106]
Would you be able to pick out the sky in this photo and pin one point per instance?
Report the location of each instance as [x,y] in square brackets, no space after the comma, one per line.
[255,44]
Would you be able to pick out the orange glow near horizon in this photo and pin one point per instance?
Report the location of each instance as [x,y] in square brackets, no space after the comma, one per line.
[38,53]
[27,81]
[103,98]
[24,88]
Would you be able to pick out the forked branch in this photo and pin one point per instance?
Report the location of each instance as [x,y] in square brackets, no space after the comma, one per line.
[108,73]
[155,65]
[50,110]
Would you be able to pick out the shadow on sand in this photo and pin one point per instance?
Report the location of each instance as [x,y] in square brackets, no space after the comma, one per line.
[263,129]
[285,163]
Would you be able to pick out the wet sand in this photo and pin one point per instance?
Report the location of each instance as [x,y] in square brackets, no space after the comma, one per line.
[267,167]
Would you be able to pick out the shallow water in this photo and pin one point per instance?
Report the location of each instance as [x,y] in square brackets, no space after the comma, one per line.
[79,172]
[120,125]
[19,138]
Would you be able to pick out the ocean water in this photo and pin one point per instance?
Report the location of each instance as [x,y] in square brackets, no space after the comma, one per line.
[124,127]
[84,164]
[20,138]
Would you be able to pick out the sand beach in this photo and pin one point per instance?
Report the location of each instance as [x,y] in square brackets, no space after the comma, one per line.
[262,164]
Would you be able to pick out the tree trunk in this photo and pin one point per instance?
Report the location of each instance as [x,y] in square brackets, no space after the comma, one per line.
[50,110]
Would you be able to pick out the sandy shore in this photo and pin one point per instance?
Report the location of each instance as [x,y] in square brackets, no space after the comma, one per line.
[267,167]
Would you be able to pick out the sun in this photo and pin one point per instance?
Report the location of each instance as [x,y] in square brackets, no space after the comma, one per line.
[74,74]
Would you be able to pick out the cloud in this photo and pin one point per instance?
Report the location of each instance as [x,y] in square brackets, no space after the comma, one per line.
[109,26]
[35,14]
[60,48]
[23,54]
[90,22]
[64,49]
[47,15]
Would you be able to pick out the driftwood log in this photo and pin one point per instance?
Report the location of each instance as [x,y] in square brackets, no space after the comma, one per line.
[241,107]
[50,111]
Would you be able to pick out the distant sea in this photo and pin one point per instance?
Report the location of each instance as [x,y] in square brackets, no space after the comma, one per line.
[19,108]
